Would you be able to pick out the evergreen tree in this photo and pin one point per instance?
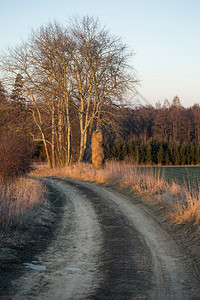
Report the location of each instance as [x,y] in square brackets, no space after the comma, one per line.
[16,97]
[142,153]
[136,153]
[148,152]
[176,154]
[196,154]
[187,155]
[183,157]
[155,149]
[166,157]
[192,155]
[197,159]
[160,155]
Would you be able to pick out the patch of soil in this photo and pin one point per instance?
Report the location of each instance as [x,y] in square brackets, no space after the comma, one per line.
[22,244]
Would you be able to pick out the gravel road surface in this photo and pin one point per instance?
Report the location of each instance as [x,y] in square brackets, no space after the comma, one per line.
[106,247]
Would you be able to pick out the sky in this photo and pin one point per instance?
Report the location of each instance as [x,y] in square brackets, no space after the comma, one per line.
[164,35]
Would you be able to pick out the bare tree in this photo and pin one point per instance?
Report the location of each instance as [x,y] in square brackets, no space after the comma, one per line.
[81,69]
[51,45]
[41,65]
[100,72]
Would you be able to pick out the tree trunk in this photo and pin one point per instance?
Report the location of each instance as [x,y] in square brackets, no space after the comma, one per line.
[47,151]
[53,132]
[69,148]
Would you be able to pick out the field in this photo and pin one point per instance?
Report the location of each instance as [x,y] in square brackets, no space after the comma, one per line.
[183,175]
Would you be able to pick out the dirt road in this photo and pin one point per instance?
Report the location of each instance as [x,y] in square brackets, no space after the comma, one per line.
[106,247]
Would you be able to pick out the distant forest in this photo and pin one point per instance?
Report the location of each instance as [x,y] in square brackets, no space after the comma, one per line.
[165,134]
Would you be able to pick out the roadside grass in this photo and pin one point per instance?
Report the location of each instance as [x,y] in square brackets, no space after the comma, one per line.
[183,201]
[188,210]
[20,201]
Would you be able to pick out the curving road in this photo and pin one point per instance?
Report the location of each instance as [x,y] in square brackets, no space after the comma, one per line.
[107,247]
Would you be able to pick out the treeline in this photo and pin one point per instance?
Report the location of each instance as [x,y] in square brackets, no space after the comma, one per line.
[153,152]
[167,123]
[165,134]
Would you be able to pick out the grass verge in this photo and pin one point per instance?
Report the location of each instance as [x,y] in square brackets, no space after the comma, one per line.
[30,211]
[183,202]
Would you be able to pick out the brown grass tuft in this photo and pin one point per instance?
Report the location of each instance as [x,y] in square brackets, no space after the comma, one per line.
[187,210]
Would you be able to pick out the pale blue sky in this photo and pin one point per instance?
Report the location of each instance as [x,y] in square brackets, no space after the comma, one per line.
[164,34]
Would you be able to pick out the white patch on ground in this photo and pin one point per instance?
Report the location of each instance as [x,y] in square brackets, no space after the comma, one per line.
[34,267]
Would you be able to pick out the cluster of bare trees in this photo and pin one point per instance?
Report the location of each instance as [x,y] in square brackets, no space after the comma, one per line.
[169,123]
[65,76]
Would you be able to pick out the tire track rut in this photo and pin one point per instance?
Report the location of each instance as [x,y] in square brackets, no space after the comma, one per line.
[113,250]
[122,263]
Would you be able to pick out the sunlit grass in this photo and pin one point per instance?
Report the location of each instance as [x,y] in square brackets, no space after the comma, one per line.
[183,202]
[187,210]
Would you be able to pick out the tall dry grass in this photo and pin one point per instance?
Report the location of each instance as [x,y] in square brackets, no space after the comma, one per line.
[122,174]
[187,210]
[20,200]
[183,202]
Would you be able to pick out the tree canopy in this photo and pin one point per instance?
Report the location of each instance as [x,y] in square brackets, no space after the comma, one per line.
[70,77]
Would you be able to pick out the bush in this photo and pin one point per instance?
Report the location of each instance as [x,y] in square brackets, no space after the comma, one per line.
[15,156]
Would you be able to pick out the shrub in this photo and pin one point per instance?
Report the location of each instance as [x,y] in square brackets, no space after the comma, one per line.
[15,156]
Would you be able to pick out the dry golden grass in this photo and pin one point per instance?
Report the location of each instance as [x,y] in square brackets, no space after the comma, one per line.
[175,189]
[19,200]
[184,204]
[122,174]
[187,210]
